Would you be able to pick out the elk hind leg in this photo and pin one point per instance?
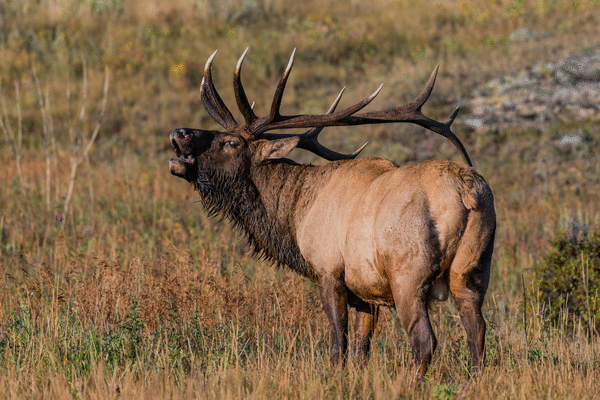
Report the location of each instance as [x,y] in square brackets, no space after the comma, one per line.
[469,308]
[469,278]
[413,313]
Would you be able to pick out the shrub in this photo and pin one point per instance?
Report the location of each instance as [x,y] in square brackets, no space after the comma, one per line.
[568,277]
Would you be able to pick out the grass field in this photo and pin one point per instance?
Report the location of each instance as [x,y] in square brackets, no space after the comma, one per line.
[116,284]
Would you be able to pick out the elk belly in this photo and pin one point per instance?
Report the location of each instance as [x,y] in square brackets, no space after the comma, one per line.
[368,284]
[364,269]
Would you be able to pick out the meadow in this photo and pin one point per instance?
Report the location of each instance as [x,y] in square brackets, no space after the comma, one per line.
[115,283]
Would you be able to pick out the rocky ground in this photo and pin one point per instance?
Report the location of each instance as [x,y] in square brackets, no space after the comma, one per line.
[566,90]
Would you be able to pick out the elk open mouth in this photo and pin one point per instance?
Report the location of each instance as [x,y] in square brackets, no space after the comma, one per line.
[183,165]
[182,157]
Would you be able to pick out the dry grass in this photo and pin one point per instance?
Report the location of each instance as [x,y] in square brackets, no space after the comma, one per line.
[196,328]
[135,293]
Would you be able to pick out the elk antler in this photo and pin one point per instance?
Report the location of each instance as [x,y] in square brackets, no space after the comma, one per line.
[410,112]
[308,139]
[211,99]
[240,95]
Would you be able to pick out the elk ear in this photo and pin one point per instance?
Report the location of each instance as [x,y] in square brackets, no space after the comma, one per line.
[274,149]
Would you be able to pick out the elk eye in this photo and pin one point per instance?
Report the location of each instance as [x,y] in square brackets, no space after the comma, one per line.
[230,144]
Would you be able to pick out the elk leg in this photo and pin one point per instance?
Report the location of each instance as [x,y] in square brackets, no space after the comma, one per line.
[469,278]
[335,304]
[468,290]
[366,320]
[422,339]
[412,310]
[469,309]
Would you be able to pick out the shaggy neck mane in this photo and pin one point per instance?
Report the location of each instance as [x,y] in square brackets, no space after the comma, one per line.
[270,230]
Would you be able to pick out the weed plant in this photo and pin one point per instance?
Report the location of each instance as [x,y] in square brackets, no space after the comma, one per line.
[565,277]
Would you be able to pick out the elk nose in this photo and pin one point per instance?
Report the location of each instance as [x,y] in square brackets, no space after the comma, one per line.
[179,133]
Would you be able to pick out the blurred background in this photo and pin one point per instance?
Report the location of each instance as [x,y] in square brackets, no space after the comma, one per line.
[116,281]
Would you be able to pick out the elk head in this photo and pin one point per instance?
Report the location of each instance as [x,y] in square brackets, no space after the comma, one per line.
[208,158]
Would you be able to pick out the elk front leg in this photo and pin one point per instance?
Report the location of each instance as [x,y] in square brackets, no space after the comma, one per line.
[335,304]
[366,320]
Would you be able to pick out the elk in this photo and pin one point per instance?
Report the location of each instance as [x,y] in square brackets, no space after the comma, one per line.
[368,232]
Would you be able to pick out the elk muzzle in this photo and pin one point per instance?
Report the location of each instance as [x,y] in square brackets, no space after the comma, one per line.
[188,144]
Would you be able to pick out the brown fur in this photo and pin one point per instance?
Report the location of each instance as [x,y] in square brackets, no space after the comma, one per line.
[366,231]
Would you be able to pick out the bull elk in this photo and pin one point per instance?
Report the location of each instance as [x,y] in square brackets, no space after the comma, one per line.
[368,232]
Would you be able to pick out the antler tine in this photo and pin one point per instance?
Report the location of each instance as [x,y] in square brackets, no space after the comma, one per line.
[424,95]
[240,94]
[453,138]
[314,132]
[308,140]
[274,114]
[390,115]
[411,112]
[311,121]
[211,99]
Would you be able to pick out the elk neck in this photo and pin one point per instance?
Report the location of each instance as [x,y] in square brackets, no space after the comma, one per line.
[265,205]
[284,191]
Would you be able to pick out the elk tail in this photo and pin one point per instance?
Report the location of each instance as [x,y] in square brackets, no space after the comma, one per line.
[475,192]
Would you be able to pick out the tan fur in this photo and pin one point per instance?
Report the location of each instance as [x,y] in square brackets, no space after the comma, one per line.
[368,232]
[371,220]
[401,236]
